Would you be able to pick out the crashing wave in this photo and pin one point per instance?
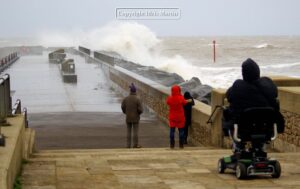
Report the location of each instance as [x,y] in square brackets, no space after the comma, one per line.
[264,46]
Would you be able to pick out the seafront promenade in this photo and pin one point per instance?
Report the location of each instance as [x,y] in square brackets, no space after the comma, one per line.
[159,168]
[76,134]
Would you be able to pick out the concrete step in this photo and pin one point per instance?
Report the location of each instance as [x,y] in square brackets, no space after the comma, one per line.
[112,153]
[28,142]
[85,151]
[160,168]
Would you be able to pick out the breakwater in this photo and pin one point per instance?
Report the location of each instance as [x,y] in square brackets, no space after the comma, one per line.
[154,95]
[6,61]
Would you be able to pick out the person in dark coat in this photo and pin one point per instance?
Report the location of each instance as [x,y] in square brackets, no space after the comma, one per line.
[251,91]
[187,114]
[132,107]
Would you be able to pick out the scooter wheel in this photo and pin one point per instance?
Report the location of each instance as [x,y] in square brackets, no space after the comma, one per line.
[221,165]
[240,171]
[277,170]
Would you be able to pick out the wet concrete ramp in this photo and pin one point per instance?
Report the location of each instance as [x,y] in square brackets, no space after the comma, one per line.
[92,130]
[84,115]
[39,85]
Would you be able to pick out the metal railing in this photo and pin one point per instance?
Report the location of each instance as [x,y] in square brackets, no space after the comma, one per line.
[17,108]
[8,60]
[5,104]
[5,99]
[25,116]
[211,117]
[6,109]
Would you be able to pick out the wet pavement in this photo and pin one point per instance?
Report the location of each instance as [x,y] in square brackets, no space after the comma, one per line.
[39,85]
[84,115]
[94,130]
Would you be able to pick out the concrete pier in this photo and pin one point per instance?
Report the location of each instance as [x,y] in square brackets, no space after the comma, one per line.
[39,85]
[86,116]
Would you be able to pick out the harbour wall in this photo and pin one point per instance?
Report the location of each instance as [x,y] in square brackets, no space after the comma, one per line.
[203,133]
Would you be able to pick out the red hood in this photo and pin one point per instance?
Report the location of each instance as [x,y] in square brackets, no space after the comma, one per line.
[176,90]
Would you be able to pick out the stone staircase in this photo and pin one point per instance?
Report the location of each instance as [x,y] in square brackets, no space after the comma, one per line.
[155,168]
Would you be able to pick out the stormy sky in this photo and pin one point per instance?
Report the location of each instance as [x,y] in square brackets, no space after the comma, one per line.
[20,18]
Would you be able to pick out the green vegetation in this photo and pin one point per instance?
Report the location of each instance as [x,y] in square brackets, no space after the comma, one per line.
[18,184]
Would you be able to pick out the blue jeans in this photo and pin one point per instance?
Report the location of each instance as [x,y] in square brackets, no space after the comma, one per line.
[172,135]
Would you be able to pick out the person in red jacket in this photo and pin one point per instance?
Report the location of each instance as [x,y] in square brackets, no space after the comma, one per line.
[176,103]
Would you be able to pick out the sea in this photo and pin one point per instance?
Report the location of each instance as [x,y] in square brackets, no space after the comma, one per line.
[193,56]
[276,56]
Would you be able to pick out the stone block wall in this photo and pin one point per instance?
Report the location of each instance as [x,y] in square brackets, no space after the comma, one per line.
[154,95]
[104,58]
[289,141]
[201,133]
[12,153]
[84,50]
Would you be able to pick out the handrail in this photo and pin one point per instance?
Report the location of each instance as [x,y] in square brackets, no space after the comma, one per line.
[25,116]
[235,133]
[275,132]
[3,78]
[17,107]
[1,81]
[212,114]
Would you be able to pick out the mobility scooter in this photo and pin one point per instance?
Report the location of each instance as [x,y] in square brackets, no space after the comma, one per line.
[252,130]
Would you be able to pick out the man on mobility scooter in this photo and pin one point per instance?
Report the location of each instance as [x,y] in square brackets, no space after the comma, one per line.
[252,117]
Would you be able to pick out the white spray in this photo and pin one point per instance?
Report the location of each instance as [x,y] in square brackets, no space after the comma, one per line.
[137,43]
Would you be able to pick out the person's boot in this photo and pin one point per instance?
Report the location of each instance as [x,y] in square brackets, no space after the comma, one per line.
[185,141]
[172,144]
[181,144]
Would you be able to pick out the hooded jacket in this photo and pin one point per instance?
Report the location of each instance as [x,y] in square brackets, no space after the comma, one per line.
[252,91]
[176,111]
[188,109]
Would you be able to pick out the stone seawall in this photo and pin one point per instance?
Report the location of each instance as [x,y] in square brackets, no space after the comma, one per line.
[289,98]
[85,50]
[154,95]
[289,141]
[19,145]
[154,98]
[201,133]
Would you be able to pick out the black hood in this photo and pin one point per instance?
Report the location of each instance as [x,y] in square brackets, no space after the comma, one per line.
[187,95]
[250,70]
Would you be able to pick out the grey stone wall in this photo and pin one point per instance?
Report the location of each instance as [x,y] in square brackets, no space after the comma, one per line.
[153,98]
[84,50]
[201,133]
[289,141]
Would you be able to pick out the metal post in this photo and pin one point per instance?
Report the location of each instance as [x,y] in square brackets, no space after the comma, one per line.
[214,44]
[3,113]
[25,115]
[7,96]
[17,108]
